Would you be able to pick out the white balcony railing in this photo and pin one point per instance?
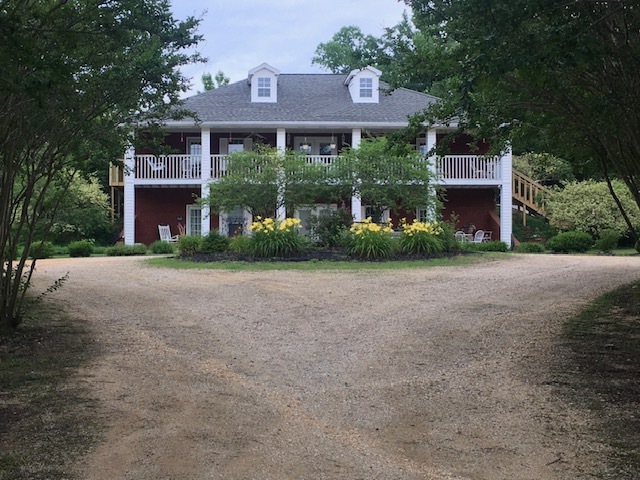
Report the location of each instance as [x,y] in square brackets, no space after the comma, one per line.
[458,168]
[468,167]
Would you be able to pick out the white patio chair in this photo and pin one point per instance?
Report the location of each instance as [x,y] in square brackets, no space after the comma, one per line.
[165,234]
[460,236]
[478,237]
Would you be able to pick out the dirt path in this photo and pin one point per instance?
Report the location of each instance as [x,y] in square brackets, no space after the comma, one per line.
[440,373]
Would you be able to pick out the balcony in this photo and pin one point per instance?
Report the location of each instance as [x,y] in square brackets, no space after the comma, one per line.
[451,170]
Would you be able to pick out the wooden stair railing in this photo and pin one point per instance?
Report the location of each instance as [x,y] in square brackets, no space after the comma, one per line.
[530,194]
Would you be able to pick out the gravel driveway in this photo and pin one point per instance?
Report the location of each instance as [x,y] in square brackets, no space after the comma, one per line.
[439,373]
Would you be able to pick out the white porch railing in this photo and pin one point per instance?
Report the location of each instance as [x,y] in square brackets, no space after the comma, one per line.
[458,168]
[468,167]
[168,167]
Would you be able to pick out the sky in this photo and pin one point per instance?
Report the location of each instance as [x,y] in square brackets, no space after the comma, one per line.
[242,34]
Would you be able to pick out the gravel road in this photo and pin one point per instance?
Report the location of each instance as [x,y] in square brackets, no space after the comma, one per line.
[438,373]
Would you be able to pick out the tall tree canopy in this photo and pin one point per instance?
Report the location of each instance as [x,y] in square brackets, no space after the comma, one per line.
[76,76]
[563,73]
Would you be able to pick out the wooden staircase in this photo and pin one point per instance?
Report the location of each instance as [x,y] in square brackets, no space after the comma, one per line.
[530,194]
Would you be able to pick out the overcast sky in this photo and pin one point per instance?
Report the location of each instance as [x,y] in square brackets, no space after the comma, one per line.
[242,34]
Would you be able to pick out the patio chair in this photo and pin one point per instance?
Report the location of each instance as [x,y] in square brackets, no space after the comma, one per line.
[478,237]
[460,236]
[165,234]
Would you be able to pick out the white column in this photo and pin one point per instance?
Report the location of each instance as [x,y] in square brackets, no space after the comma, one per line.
[129,196]
[205,162]
[281,144]
[431,165]
[506,199]
[356,201]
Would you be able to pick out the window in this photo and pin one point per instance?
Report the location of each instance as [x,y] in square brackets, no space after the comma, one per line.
[264,87]
[366,87]
[422,215]
[236,145]
[194,220]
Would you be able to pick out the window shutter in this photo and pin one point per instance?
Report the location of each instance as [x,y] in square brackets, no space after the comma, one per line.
[224,146]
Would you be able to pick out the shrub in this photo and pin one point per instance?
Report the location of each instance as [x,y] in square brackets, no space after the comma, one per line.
[126,250]
[240,244]
[566,242]
[608,240]
[530,247]
[214,242]
[589,207]
[189,245]
[329,228]
[370,240]
[160,246]
[495,246]
[41,249]
[272,238]
[421,238]
[81,248]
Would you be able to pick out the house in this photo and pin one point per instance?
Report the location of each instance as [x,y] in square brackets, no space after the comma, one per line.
[318,114]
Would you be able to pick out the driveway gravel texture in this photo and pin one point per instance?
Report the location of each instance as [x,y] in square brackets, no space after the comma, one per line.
[425,373]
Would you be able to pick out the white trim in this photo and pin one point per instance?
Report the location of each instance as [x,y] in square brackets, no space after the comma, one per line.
[189,228]
[129,207]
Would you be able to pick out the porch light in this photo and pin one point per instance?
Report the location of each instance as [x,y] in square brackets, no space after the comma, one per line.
[306,146]
[332,145]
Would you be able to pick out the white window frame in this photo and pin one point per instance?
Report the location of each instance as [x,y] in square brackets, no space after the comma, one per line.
[314,210]
[191,229]
[366,87]
[366,213]
[264,87]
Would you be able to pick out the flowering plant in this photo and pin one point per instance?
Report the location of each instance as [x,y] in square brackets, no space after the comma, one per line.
[275,238]
[371,240]
[421,237]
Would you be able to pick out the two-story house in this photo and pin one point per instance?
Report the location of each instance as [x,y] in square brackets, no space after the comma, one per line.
[318,114]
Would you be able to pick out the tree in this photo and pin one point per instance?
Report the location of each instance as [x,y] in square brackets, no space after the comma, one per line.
[385,174]
[562,73]
[544,168]
[588,207]
[396,53]
[264,180]
[220,80]
[77,76]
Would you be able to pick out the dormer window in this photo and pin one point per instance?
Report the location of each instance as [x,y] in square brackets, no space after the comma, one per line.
[366,87]
[264,84]
[264,87]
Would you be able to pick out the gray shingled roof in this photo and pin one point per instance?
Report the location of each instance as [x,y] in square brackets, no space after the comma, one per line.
[306,98]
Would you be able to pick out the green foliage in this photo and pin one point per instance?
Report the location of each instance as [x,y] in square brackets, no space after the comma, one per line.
[536,227]
[421,238]
[370,240]
[530,247]
[607,241]
[273,238]
[214,242]
[82,211]
[253,179]
[41,249]
[189,245]
[567,72]
[160,247]
[494,246]
[389,174]
[240,244]
[330,228]
[589,207]
[77,77]
[568,242]
[544,168]
[220,80]
[81,248]
[637,246]
[126,250]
